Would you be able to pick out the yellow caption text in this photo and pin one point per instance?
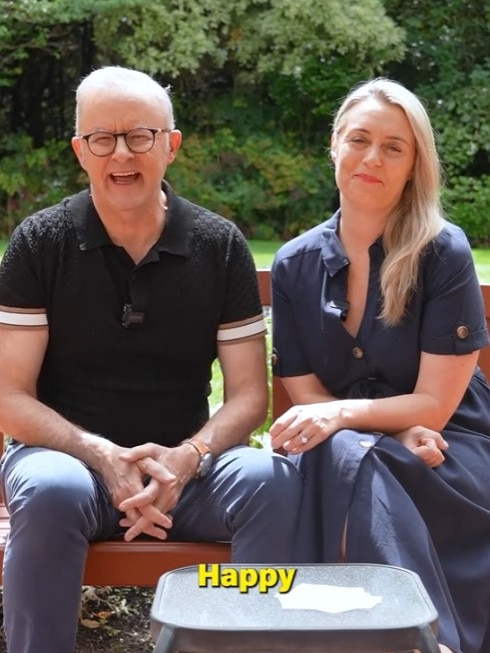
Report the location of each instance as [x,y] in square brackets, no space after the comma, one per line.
[244,578]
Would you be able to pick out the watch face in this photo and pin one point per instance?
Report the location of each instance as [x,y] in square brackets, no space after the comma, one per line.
[206,464]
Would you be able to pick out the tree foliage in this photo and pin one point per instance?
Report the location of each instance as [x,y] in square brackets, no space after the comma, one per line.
[446,39]
[447,63]
[176,37]
[255,84]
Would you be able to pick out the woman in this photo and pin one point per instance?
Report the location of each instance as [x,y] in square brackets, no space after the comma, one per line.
[378,320]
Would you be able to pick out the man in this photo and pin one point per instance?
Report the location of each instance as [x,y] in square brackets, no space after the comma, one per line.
[114,305]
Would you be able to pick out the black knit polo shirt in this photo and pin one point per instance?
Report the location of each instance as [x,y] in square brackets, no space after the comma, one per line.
[130,346]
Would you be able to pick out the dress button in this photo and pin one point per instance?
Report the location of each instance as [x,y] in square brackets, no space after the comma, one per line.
[357,352]
[462,332]
[366,444]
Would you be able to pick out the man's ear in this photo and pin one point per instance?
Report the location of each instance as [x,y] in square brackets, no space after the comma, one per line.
[77,147]
[175,138]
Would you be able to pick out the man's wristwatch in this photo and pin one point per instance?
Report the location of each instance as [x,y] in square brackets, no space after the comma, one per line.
[206,457]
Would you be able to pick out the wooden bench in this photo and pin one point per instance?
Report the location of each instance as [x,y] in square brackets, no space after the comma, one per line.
[141,563]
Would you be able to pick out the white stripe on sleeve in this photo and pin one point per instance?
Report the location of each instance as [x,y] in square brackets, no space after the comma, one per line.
[241,331]
[23,319]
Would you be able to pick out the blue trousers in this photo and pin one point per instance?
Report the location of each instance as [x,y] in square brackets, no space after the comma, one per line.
[58,506]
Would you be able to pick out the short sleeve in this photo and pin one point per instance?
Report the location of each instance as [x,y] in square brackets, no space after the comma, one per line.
[242,316]
[22,297]
[288,358]
[453,312]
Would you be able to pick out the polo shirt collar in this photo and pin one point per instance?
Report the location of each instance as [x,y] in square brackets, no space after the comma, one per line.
[178,234]
[176,237]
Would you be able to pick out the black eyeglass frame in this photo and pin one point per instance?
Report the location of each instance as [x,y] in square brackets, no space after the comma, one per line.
[115,135]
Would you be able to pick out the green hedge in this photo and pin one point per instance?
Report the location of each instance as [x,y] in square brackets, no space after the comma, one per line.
[271,187]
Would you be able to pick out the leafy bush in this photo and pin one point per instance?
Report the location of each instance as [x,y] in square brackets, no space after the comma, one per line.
[461,121]
[32,178]
[269,187]
[467,203]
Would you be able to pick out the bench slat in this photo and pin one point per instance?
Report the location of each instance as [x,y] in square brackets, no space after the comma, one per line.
[142,563]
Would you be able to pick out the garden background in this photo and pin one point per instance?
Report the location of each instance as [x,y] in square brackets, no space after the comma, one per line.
[254,84]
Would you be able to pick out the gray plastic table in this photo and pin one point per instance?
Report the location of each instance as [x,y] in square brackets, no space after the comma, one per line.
[192,619]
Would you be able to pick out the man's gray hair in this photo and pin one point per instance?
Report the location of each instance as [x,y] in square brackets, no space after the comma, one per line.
[118,77]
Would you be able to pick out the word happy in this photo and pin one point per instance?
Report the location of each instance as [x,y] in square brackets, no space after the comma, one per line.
[244,578]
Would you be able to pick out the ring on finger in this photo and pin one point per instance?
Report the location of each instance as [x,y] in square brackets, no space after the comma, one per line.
[303,438]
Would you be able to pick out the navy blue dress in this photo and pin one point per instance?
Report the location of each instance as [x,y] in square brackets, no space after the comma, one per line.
[435,521]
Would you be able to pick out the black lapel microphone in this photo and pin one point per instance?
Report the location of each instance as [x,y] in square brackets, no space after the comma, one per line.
[341,305]
[131,317]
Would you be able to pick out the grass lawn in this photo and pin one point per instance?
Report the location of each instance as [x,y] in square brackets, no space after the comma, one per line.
[263,253]
[482,262]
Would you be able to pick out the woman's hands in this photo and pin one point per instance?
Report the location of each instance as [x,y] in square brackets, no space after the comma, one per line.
[303,427]
[424,443]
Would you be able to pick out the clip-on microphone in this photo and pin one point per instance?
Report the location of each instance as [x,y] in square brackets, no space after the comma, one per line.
[341,305]
[130,317]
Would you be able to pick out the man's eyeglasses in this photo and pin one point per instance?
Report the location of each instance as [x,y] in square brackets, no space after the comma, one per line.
[139,140]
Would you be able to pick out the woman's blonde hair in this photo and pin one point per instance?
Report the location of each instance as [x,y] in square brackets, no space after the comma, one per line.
[418,218]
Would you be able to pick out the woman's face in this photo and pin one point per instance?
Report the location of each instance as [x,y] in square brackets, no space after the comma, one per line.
[374,155]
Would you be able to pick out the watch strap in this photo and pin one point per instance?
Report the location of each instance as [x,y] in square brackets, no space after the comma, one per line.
[202,449]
